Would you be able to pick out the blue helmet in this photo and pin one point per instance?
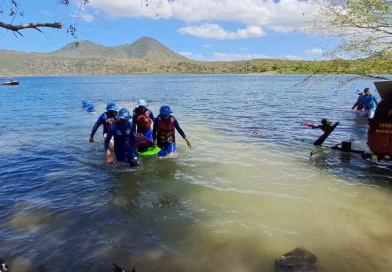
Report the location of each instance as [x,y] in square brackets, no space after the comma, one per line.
[84,102]
[90,106]
[165,110]
[124,114]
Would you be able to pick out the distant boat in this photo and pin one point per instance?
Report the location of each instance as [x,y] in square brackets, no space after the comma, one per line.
[11,82]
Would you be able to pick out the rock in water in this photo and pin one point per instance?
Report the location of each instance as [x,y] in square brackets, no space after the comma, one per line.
[297,260]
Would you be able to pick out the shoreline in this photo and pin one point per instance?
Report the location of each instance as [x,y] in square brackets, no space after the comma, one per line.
[188,74]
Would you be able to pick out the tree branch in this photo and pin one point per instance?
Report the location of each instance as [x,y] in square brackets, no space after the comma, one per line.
[378,77]
[16,28]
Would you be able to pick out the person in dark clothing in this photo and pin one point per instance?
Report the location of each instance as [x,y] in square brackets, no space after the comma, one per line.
[106,119]
[123,132]
[90,108]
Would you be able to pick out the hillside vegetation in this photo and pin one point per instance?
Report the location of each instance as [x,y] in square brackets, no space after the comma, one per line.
[148,56]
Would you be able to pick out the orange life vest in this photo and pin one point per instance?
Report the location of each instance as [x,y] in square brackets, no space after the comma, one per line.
[143,120]
[165,133]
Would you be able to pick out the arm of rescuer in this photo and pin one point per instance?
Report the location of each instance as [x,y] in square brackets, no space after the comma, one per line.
[109,158]
[177,126]
[134,119]
[154,134]
[99,122]
[151,115]
[179,129]
[356,104]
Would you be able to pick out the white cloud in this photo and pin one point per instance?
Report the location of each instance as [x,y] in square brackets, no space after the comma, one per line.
[243,49]
[185,54]
[282,16]
[314,51]
[234,57]
[214,31]
[207,46]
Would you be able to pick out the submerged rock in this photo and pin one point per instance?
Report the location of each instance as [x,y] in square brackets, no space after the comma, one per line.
[297,260]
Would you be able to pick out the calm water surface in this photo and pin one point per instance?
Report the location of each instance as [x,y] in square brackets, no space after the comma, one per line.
[235,202]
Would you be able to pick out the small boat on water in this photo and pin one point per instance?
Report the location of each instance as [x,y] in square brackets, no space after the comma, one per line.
[11,82]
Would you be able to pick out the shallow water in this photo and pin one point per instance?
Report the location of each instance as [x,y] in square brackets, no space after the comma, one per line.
[235,202]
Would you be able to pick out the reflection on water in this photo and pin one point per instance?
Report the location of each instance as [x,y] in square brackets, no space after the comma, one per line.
[235,202]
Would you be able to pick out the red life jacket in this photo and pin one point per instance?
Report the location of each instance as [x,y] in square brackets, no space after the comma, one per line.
[143,120]
[360,106]
[165,133]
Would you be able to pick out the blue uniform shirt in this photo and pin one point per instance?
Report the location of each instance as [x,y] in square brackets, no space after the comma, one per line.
[124,141]
[176,125]
[368,101]
[101,121]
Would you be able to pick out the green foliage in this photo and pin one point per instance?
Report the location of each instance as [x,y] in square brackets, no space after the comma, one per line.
[365,26]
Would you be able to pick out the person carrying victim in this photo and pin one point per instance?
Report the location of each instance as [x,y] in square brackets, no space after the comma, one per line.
[143,119]
[123,133]
[163,133]
[106,119]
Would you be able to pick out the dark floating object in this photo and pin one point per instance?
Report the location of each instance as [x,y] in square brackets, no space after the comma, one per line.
[297,260]
[119,269]
[327,127]
[4,266]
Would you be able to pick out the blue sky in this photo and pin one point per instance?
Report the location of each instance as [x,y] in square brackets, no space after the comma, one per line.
[199,29]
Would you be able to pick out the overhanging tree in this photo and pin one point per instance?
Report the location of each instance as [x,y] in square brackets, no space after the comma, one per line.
[13,9]
[365,26]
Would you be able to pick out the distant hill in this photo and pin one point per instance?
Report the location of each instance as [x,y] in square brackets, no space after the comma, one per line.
[149,56]
[143,48]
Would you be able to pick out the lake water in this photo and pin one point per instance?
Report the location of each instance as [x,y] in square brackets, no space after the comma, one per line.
[235,202]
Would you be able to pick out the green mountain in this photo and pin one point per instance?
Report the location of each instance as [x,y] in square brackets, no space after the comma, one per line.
[143,48]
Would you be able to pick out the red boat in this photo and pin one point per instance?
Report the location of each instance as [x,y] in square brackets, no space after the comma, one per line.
[11,82]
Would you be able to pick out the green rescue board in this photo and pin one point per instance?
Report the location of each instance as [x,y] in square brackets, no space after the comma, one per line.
[150,151]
